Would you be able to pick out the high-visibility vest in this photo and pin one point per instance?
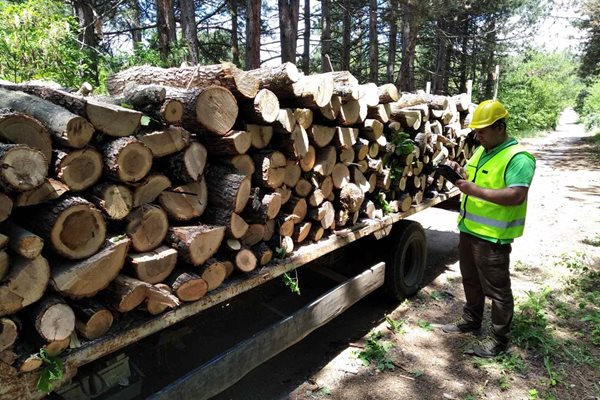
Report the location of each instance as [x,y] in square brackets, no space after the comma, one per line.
[484,217]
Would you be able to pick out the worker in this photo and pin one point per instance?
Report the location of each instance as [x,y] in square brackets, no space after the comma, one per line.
[492,214]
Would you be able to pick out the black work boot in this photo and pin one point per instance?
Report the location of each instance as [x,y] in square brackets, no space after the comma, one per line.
[462,326]
[490,347]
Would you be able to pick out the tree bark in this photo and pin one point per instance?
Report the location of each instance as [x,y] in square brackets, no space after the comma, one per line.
[288,27]
[187,286]
[227,189]
[165,142]
[165,22]
[325,34]
[188,26]
[52,318]
[373,43]
[253,33]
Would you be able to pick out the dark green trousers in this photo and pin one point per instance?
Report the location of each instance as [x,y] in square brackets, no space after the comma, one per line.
[485,273]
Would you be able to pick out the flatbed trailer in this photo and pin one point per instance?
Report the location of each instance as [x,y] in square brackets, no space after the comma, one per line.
[229,367]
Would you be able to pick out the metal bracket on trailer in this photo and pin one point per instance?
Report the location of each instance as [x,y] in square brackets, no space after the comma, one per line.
[224,370]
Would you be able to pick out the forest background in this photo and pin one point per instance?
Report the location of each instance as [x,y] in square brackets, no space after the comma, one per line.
[407,42]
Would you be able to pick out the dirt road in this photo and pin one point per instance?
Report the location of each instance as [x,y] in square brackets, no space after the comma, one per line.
[563,212]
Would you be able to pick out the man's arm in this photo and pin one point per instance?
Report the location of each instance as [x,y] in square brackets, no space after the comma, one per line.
[510,196]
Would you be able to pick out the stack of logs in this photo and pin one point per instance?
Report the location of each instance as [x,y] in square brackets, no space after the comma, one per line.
[154,195]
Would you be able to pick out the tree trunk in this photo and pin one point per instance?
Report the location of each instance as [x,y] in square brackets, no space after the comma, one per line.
[325,34]
[188,26]
[373,43]
[235,50]
[392,40]
[346,34]
[24,284]
[165,21]
[306,47]
[253,33]
[288,27]
[85,278]
[196,244]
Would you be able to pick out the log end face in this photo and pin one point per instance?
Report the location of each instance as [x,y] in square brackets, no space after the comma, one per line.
[216,109]
[79,132]
[78,232]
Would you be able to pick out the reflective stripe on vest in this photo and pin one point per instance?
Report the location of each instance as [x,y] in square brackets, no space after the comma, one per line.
[486,218]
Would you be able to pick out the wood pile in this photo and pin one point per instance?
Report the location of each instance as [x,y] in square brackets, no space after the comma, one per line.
[155,195]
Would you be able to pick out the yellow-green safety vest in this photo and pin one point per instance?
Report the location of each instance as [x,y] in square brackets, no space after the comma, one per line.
[484,217]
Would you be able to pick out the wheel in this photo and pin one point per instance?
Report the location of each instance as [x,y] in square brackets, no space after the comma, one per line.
[405,266]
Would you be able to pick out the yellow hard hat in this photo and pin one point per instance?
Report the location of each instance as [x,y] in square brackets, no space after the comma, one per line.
[486,113]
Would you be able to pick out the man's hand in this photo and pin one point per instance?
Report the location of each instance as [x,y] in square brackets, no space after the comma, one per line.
[456,167]
[467,187]
[510,196]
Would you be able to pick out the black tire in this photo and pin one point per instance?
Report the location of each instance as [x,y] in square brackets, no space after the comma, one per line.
[405,265]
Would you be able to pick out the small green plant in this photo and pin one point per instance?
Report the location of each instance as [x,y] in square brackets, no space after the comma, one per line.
[532,394]
[506,363]
[530,326]
[417,373]
[279,252]
[52,370]
[593,241]
[503,383]
[381,202]
[426,325]
[403,144]
[292,282]
[375,352]
[325,391]
[520,266]
[594,319]
[394,325]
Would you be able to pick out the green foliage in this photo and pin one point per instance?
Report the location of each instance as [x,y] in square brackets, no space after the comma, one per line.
[590,106]
[403,143]
[381,203]
[292,282]
[52,370]
[396,326]
[530,325]
[38,40]
[506,363]
[375,352]
[535,88]
[426,325]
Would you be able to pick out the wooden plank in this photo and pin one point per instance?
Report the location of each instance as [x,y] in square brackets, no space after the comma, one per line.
[228,368]
[133,331]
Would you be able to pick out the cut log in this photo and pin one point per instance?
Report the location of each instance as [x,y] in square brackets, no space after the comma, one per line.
[187,165]
[187,286]
[241,83]
[261,135]
[301,231]
[263,109]
[71,225]
[51,189]
[156,307]
[340,176]
[283,245]
[213,272]
[4,263]
[185,202]
[316,198]
[19,128]
[66,128]
[374,150]
[157,296]
[143,96]
[293,145]
[77,280]
[245,260]
[345,137]
[277,78]
[6,205]
[196,244]
[408,118]
[23,168]
[388,93]
[149,188]
[262,207]
[320,135]
[253,235]
[345,85]
[316,233]
[303,117]
[285,121]
[52,318]
[24,284]
[308,161]
[26,360]
[285,193]
[114,199]
[351,198]
[125,293]
[263,253]
[349,113]
[372,129]
[22,242]
[8,357]
[292,173]
[242,163]
[312,91]
[127,159]
[78,168]
[212,108]
[228,189]
[303,188]
[235,226]
[167,141]
[92,320]
[269,230]
[147,227]
[285,224]
[358,178]
[326,186]
[324,214]
[347,156]
[331,110]
[295,207]
[153,266]
[368,93]
[325,160]
[8,333]
[381,113]
[270,170]
[233,143]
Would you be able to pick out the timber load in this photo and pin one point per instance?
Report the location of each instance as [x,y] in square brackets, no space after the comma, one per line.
[209,172]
